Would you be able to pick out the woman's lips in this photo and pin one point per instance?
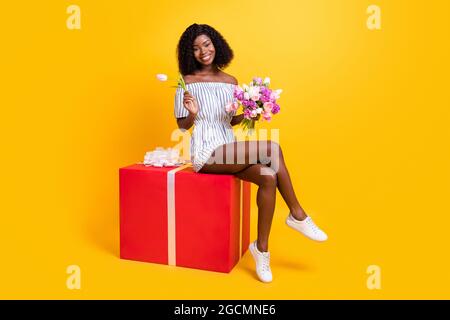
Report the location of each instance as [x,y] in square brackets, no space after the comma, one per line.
[206,58]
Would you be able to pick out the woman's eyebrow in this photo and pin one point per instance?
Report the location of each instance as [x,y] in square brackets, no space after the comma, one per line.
[202,43]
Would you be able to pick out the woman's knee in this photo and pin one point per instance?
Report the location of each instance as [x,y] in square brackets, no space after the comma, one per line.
[275,148]
[268,177]
[274,155]
[259,174]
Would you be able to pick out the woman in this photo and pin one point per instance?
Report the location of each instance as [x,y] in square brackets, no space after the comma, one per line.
[202,53]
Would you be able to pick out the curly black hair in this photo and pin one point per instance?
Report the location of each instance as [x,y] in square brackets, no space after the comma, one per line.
[187,63]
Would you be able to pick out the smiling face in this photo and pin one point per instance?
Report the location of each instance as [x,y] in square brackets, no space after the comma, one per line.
[204,51]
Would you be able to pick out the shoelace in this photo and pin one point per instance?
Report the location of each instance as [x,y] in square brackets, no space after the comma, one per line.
[313,226]
[265,262]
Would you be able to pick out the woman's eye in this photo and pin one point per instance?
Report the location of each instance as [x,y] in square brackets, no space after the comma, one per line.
[206,45]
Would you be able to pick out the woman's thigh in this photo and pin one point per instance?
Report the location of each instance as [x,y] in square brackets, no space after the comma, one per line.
[234,157]
[223,168]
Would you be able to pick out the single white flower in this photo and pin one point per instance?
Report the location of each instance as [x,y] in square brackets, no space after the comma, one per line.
[266,81]
[162,77]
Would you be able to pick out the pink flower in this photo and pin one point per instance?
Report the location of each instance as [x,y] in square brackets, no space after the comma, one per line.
[238,91]
[267,116]
[268,106]
[275,108]
[254,93]
[247,114]
[257,80]
[232,106]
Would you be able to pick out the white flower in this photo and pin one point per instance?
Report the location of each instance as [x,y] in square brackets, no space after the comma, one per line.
[162,77]
[254,93]
[266,81]
[276,94]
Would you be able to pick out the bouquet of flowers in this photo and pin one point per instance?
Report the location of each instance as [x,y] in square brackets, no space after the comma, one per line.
[257,100]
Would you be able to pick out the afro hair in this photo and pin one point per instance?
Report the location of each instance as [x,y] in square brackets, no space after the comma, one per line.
[187,63]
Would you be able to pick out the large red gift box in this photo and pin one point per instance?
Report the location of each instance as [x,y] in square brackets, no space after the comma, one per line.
[176,216]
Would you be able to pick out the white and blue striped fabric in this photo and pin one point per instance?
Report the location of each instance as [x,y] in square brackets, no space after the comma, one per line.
[212,126]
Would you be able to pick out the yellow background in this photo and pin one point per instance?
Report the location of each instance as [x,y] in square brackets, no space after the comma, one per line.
[363,124]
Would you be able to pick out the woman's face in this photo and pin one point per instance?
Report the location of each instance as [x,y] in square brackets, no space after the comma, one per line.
[204,51]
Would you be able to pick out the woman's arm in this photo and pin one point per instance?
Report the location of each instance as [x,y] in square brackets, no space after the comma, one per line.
[237,119]
[191,104]
[186,122]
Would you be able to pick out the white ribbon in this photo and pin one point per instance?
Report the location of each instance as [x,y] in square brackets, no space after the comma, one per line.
[171,230]
[241,216]
[161,157]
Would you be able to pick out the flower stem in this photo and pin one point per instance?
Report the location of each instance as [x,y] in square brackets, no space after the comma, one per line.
[181,83]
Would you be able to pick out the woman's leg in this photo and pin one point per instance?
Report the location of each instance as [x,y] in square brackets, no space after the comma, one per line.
[285,185]
[265,197]
[265,200]
[235,157]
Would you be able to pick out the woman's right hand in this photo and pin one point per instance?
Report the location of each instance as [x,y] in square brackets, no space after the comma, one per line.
[190,103]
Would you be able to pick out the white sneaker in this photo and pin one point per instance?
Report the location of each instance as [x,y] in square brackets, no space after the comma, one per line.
[307,227]
[262,260]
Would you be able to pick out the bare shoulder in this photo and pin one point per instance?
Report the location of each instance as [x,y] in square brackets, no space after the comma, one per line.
[188,78]
[233,80]
[221,77]
[229,78]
